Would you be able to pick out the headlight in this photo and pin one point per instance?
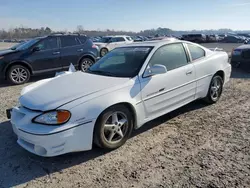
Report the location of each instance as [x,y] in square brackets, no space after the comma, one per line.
[1,57]
[56,117]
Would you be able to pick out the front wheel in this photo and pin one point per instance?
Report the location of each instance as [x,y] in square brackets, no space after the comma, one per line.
[113,128]
[18,74]
[215,90]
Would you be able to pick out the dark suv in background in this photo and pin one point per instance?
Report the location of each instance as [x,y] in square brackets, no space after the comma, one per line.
[46,54]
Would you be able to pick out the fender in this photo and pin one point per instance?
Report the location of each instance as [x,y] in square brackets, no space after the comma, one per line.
[129,94]
[20,62]
[86,54]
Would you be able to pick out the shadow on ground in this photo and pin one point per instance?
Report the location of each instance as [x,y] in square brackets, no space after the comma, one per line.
[15,160]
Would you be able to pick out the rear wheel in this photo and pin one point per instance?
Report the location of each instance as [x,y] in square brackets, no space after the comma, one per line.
[113,128]
[85,64]
[18,74]
[215,90]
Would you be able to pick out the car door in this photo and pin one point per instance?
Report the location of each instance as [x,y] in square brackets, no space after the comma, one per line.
[71,50]
[165,92]
[203,67]
[46,56]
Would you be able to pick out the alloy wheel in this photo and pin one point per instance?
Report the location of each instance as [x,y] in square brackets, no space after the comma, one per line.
[19,75]
[216,88]
[86,64]
[115,127]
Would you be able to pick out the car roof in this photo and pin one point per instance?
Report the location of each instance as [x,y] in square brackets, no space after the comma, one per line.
[245,46]
[155,43]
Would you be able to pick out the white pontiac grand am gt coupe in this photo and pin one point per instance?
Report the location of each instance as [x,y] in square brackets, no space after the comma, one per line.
[128,87]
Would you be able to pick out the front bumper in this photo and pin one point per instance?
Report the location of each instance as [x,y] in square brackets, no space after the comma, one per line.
[42,140]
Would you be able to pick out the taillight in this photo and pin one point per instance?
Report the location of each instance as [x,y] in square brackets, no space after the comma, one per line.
[94,46]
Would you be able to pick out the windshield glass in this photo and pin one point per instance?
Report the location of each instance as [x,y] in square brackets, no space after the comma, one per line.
[16,46]
[105,39]
[121,62]
[25,45]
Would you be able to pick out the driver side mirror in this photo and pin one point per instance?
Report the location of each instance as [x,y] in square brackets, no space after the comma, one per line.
[36,49]
[154,70]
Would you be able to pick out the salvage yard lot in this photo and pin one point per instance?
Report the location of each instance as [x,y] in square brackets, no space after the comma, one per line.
[195,146]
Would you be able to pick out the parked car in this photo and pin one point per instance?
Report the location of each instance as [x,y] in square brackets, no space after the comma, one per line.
[233,39]
[213,38]
[126,88]
[197,38]
[108,43]
[240,57]
[46,54]
[140,39]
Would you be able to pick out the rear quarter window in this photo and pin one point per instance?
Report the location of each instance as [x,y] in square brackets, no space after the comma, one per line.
[196,52]
[82,39]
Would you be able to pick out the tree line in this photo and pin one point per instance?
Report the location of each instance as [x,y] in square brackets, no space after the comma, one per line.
[26,33]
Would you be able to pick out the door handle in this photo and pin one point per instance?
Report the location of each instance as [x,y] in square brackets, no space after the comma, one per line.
[55,53]
[80,50]
[189,72]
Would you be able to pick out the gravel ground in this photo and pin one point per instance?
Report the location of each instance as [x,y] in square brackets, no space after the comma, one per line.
[4,45]
[195,146]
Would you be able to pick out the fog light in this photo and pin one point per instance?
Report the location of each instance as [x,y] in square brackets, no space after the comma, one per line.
[40,150]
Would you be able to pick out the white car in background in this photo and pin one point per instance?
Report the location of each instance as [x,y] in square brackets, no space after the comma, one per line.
[108,43]
[128,87]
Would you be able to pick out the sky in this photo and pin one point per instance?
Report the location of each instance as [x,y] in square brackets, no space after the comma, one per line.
[128,15]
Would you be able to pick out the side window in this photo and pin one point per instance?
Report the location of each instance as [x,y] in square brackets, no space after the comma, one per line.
[114,39]
[120,39]
[48,44]
[196,52]
[68,41]
[172,56]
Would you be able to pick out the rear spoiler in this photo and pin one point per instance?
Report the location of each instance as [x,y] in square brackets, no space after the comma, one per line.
[220,50]
[216,49]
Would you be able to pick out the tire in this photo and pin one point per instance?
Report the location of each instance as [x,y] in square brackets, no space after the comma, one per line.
[103,52]
[85,63]
[18,74]
[107,133]
[212,97]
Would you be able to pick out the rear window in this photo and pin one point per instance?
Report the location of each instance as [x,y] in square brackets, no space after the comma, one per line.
[196,52]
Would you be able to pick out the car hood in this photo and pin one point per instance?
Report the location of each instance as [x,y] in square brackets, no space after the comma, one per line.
[51,93]
[7,51]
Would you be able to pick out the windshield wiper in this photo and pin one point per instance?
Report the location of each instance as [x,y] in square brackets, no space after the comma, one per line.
[101,72]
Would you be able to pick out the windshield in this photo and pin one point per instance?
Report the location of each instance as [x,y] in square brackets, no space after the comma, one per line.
[25,45]
[121,62]
[16,46]
[105,39]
